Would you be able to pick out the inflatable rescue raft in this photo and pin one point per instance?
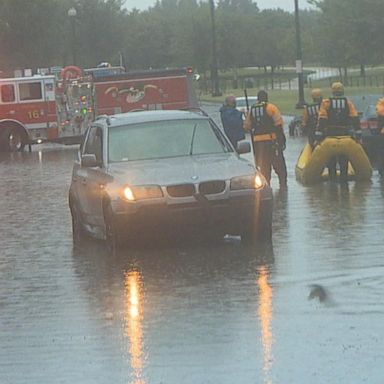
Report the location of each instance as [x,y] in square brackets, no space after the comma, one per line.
[311,166]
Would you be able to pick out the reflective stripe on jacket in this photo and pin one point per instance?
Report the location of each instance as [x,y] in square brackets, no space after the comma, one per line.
[310,115]
[325,106]
[265,137]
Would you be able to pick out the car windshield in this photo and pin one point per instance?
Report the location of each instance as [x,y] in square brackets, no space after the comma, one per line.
[162,139]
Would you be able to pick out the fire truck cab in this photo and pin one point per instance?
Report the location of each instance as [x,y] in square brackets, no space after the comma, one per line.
[27,107]
[37,109]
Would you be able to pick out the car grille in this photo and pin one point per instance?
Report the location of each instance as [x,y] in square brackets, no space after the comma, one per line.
[181,190]
[212,187]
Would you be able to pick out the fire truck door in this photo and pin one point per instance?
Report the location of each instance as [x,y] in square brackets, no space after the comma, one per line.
[50,102]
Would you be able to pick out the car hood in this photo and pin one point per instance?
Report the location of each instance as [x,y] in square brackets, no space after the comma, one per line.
[181,169]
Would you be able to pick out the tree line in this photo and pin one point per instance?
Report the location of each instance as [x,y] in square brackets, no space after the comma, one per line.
[174,33]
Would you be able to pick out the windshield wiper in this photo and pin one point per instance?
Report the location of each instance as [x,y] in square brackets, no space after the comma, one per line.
[192,140]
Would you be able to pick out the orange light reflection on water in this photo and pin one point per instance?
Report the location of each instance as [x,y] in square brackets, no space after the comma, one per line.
[133,319]
[265,316]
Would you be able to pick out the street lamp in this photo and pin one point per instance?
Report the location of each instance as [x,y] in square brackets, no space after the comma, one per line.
[299,62]
[72,13]
[214,73]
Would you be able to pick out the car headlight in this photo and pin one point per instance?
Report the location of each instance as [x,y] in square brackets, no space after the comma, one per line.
[247,182]
[142,192]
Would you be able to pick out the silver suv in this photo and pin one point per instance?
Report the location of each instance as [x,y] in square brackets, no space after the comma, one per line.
[142,173]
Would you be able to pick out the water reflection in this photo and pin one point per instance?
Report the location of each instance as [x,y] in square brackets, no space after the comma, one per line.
[133,319]
[335,207]
[281,224]
[265,317]
[182,311]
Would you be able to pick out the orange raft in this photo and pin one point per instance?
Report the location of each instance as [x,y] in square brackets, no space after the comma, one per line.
[311,165]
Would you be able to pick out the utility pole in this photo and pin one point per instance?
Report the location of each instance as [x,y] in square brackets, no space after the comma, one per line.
[214,71]
[299,62]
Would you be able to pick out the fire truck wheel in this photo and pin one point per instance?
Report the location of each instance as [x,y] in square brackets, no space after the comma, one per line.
[13,139]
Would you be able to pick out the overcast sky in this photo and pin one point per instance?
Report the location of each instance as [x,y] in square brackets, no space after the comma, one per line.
[288,5]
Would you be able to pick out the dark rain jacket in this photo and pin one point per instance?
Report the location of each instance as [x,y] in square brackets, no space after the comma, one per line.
[232,121]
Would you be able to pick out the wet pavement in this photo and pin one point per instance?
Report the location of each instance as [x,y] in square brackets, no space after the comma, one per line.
[190,313]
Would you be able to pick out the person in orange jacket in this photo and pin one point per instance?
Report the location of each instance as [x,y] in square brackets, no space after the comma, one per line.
[380,139]
[265,124]
[380,115]
[311,114]
[337,117]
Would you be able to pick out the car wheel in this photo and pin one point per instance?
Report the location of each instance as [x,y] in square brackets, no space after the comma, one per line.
[77,225]
[112,235]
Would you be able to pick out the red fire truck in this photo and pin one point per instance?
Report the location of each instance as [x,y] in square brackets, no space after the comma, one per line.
[39,109]
[152,89]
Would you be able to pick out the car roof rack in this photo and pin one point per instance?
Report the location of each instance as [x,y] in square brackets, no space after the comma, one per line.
[195,109]
[106,117]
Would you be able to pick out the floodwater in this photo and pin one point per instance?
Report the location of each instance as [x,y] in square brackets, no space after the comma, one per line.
[216,313]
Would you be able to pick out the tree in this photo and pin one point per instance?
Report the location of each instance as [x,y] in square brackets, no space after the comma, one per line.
[351,31]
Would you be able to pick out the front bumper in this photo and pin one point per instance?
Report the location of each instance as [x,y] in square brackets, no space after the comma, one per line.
[226,214]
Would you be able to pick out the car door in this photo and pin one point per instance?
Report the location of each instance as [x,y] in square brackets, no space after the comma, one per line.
[79,179]
[92,179]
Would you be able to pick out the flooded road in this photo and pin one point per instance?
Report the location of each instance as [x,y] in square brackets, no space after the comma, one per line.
[190,313]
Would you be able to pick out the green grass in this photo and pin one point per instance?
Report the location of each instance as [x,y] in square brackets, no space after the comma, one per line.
[286,100]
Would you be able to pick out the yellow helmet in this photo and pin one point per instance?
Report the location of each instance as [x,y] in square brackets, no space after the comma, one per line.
[316,93]
[337,88]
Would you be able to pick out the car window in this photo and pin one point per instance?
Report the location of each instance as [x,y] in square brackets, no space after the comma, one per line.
[241,102]
[93,143]
[163,139]
[370,111]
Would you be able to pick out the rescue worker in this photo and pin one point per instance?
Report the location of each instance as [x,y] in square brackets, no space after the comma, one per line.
[232,120]
[311,114]
[337,117]
[380,139]
[265,123]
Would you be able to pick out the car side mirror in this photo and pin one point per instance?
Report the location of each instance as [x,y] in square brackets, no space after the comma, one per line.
[89,160]
[243,147]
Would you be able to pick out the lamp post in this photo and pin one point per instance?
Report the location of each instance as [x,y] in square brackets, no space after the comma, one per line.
[72,13]
[299,62]
[214,73]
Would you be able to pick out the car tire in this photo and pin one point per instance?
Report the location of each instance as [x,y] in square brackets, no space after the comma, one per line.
[112,230]
[77,225]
